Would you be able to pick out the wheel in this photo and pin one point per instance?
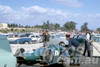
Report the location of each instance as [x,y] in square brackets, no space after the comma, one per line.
[21,65]
[66,62]
[18,64]
[26,42]
[20,50]
[62,44]
[48,55]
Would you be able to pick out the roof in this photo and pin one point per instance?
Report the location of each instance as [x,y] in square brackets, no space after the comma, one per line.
[2,37]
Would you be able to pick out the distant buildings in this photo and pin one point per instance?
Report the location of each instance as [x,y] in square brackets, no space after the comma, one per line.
[5,28]
[3,25]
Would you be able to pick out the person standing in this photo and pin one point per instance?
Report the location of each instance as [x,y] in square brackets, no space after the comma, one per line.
[43,35]
[87,44]
[46,38]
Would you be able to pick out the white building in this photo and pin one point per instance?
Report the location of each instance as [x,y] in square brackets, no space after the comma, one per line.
[3,25]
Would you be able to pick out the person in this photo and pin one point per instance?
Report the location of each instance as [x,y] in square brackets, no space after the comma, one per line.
[72,42]
[43,35]
[87,44]
[74,48]
[46,38]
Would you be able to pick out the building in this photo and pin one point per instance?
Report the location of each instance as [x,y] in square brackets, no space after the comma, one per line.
[3,25]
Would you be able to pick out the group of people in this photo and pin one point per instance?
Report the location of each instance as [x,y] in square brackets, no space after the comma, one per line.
[76,43]
[71,42]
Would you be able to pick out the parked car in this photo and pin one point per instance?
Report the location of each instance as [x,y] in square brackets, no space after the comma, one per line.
[45,56]
[15,36]
[96,39]
[80,36]
[62,35]
[35,37]
[7,59]
[22,41]
[57,40]
[19,38]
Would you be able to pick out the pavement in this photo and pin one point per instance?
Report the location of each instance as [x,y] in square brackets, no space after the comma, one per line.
[96,49]
[55,65]
[85,61]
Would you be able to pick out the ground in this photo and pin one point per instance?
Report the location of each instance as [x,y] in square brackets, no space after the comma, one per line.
[85,62]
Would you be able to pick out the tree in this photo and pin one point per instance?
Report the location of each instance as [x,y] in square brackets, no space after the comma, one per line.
[23,30]
[69,26]
[84,27]
[37,26]
[51,26]
[48,23]
[57,26]
[48,26]
[9,25]
[44,25]
[12,29]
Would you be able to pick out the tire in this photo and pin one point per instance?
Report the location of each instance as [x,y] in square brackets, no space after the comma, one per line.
[20,50]
[62,44]
[20,65]
[26,42]
[66,62]
[48,55]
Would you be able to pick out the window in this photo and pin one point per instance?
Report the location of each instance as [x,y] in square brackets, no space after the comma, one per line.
[28,35]
[37,36]
[10,36]
[75,36]
[33,36]
[58,36]
[16,35]
[82,36]
[23,36]
[62,35]
[52,37]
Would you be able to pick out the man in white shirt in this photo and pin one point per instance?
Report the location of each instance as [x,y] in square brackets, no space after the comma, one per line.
[87,44]
[88,35]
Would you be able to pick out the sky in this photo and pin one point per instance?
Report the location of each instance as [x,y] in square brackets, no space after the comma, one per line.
[32,12]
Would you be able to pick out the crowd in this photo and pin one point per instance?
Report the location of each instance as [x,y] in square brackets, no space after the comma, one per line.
[77,44]
[72,42]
